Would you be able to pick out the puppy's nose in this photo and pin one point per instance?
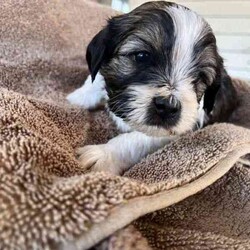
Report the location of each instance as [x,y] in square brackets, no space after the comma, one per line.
[169,107]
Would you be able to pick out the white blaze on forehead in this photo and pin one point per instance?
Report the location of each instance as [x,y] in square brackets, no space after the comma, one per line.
[189,28]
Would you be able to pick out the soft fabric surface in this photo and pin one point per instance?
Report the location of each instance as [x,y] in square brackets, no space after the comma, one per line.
[192,194]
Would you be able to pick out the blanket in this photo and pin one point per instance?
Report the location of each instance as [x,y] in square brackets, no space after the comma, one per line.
[192,194]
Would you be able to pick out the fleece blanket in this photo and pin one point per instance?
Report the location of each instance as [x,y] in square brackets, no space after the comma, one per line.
[192,194]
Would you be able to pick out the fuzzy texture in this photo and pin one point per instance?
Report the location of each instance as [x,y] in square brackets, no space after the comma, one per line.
[47,202]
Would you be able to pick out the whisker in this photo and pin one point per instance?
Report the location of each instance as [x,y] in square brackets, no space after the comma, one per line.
[116,96]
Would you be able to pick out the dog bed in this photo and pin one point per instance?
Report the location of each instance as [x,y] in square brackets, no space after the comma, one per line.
[192,194]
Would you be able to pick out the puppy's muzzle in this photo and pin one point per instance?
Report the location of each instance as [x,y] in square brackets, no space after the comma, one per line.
[167,108]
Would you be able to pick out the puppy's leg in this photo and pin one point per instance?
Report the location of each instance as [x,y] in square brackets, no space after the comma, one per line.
[120,153]
[91,94]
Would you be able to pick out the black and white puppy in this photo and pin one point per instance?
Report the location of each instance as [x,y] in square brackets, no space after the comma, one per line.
[160,73]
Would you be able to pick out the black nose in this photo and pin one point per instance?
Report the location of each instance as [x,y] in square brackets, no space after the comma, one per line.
[167,107]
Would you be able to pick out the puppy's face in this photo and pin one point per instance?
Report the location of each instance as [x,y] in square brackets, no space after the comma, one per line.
[157,62]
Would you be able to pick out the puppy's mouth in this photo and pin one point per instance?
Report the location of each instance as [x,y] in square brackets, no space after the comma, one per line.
[164,112]
[157,115]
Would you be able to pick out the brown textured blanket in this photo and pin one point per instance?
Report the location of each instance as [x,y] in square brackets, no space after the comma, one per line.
[47,202]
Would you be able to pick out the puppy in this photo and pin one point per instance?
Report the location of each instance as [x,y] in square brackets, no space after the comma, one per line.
[160,74]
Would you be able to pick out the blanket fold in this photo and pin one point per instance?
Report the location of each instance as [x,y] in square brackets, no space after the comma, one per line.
[193,193]
[37,155]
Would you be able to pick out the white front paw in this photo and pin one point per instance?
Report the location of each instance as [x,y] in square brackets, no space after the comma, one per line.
[90,95]
[100,158]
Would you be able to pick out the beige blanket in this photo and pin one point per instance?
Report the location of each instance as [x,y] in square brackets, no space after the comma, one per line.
[192,194]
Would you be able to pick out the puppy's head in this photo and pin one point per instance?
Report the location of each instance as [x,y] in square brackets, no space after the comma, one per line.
[160,63]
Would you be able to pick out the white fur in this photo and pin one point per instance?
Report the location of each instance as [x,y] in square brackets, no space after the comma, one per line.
[189,106]
[143,96]
[120,124]
[91,94]
[202,117]
[189,29]
[120,153]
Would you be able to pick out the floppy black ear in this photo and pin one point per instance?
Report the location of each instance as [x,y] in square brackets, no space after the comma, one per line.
[220,98]
[96,52]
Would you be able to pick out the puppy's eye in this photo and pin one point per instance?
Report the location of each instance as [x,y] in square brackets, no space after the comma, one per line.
[142,57]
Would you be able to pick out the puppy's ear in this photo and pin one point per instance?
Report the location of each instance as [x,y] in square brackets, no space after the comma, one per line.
[96,52]
[220,98]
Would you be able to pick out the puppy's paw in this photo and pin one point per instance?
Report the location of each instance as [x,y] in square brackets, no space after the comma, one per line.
[99,158]
[90,95]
